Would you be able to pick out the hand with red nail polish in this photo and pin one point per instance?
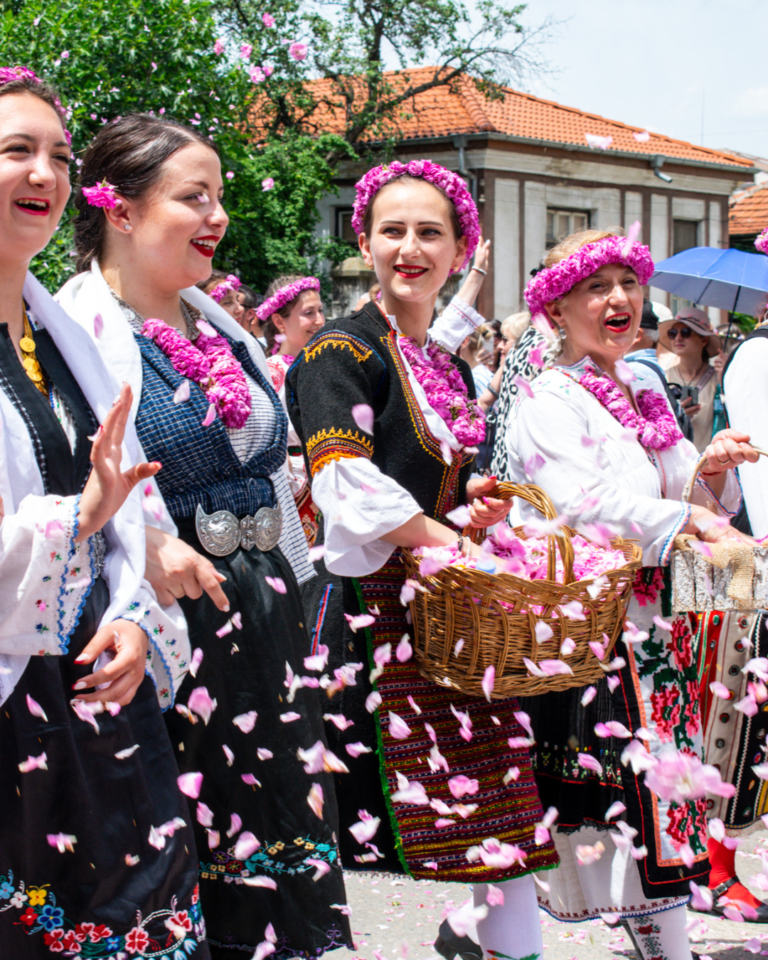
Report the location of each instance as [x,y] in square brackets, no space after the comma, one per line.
[485,511]
[124,674]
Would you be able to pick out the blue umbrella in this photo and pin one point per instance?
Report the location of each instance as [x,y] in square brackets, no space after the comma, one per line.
[730,279]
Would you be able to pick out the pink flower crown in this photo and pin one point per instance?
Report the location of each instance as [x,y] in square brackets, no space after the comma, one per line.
[762,241]
[9,74]
[450,183]
[220,291]
[101,195]
[554,282]
[284,295]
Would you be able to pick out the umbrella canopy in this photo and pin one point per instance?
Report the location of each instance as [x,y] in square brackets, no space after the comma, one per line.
[730,279]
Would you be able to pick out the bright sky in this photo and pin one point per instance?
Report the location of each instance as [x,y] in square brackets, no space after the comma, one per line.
[677,67]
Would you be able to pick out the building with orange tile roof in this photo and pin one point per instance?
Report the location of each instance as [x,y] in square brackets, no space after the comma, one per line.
[539,170]
[748,215]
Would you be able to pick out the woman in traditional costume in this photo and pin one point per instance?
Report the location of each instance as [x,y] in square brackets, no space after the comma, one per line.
[613,759]
[96,852]
[292,313]
[266,815]
[224,289]
[441,784]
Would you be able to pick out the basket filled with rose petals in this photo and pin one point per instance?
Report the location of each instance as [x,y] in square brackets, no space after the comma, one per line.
[728,574]
[534,614]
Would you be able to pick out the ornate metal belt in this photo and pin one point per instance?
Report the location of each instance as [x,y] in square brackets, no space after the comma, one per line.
[221,533]
[99,554]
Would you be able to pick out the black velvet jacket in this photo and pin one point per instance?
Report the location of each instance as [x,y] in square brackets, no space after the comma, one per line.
[355,361]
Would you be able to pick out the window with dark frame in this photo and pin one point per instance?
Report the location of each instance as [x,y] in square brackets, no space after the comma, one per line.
[685,234]
[344,230]
[562,223]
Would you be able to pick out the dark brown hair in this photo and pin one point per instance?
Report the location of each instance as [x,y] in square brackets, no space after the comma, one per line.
[38,88]
[269,330]
[129,154]
[407,178]
[216,277]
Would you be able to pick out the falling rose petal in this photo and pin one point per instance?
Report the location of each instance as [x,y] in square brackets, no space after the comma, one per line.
[315,800]
[246,846]
[686,855]
[720,690]
[523,386]
[398,728]
[444,822]
[339,720]
[206,329]
[267,882]
[34,763]
[200,702]
[589,762]
[639,853]
[250,780]
[404,650]
[197,659]
[355,749]
[223,631]
[62,841]
[362,414]
[204,814]
[373,701]
[246,721]
[543,632]
[532,668]
[98,326]
[289,717]
[761,770]
[598,142]
[587,855]
[35,709]
[54,530]
[128,752]
[613,682]
[552,668]
[458,647]
[131,861]
[753,946]
[534,463]
[409,792]
[488,682]
[567,647]
[414,706]
[462,786]
[321,867]
[235,823]
[316,553]
[525,722]
[365,829]
[86,712]
[614,810]
[263,754]
[190,784]
[662,624]
[624,371]
[214,838]
[598,649]
[460,517]
[589,695]
[210,416]
[156,839]
[701,898]
[446,452]
[357,622]
[495,896]
[317,661]
[748,706]
[228,754]
[182,393]
[277,584]
[642,136]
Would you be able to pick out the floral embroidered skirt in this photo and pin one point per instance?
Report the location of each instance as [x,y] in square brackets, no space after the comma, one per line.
[427,841]
[114,893]
[253,779]
[658,689]
[733,741]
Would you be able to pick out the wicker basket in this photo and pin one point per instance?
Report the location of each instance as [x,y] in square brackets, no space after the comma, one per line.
[496,615]
[735,577]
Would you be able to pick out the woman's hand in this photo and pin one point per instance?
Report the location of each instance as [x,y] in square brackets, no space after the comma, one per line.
[482,255]
[125,672]
[177,570]
[485,511]
[689,407]
[108,487]
[728,449]
[711,527]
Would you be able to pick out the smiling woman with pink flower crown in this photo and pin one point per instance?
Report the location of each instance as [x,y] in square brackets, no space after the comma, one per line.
[389,424]
[622,760]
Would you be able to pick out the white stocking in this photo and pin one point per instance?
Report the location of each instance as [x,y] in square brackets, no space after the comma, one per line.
[661,935]
[512,930]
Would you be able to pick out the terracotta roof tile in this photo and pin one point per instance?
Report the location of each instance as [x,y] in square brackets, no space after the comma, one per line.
[463,109]
[749,211]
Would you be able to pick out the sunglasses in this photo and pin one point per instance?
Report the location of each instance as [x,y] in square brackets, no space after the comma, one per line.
[683,332]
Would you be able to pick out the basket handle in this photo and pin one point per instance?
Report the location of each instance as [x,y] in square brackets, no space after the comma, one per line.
[688,491]
[541,500]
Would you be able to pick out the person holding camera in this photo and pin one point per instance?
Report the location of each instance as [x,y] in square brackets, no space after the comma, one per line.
[693,341]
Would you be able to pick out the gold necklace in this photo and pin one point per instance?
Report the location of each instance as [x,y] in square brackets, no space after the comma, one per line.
[29,359]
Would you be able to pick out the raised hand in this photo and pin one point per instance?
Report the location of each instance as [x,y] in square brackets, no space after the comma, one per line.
[108,487]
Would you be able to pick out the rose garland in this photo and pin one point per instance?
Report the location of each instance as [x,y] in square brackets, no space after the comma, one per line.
[210,363]
[656,425]
[449,182]
[446,391]
[232,283]
[762,241]
[284,295]
[554,282]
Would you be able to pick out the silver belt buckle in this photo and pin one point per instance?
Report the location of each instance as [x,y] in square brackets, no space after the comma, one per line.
[221,533]
[99,553]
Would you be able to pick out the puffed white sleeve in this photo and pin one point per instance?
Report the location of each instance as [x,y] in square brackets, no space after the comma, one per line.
[746,397]
[586,483]
[44,575]
[455,323]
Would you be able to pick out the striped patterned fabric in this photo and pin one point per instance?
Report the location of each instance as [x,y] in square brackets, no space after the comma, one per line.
[508,813]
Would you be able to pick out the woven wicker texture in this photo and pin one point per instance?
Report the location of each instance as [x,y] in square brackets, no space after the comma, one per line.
[496,616]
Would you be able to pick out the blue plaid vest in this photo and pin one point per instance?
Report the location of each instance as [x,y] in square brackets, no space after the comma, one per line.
[199,464]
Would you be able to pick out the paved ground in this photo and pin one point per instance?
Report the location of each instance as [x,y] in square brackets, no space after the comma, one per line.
[395,918]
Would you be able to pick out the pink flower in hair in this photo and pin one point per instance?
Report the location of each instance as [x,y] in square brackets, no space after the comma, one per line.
[284,295]
[102,195]
[232,283]
[450,183]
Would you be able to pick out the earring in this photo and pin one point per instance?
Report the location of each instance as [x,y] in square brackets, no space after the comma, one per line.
[561,333]
[127,226]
